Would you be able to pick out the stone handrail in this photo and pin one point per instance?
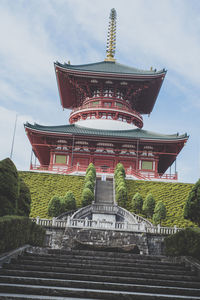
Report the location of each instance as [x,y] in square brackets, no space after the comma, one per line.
[120,226]
[131,217]
[95,208]
[82,211]
[114,198]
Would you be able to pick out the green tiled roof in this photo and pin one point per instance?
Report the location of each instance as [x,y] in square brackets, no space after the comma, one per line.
[109,67]
[130,134]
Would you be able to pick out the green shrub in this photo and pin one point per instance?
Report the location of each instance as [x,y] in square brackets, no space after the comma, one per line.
[9,187]
[192,205]
[120,185]
[68,202]
[159,213]
[24,200]
[121,196]
[89,185]
[90,177]
[91,168]
[120,168]
[16,231]
[185,242]
[87,197]
[55,206]
[149,205]
[137,202]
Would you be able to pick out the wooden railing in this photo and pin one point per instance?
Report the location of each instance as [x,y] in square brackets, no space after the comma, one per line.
[61,169]
[107,108]
[120,226]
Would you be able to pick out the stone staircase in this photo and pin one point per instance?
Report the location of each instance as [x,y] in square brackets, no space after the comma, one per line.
[104,192]
[81,274]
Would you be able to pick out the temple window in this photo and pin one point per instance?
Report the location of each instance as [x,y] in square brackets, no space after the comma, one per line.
[107,104]
[60,159]
[118,104]
[95,103]
[147,165]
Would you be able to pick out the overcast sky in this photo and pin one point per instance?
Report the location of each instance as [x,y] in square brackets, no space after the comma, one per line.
[161,34]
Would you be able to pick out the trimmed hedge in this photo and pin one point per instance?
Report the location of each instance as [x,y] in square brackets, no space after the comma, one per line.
[173,195]
[16,231]
[184,242]
[44,186]
[120,185]
[9,187]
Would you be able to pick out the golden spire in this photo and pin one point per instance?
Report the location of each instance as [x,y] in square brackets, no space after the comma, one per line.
[111,38]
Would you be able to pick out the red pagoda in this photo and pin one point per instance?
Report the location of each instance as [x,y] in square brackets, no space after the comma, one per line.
[107,100]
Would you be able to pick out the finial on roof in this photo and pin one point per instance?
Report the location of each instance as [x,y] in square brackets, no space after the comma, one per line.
[111,38]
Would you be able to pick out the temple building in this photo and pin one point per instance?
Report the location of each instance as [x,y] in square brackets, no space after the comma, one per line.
[107,100]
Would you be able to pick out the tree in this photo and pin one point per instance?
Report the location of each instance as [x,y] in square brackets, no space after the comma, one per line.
[120,168]
[24,199]
[149,205]
[90,176]
[192,205]
[68,202]
[9,187]
[184,242]
[91,167]
[87,197]
[159,213]
[121,196]
[54,207]
[89,185]
[137,203]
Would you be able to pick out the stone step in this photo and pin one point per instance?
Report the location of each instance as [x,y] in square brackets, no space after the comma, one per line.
[93,253]
[156,289]
[88,293]
[133,258]
[8,296]
[133,263]
[104,271]
[104,192]
[94,265]
[194,283]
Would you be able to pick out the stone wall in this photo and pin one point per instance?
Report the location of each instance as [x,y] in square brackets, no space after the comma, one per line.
[68,238]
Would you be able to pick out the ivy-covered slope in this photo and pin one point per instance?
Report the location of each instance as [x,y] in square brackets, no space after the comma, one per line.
[173,195]
[44,186]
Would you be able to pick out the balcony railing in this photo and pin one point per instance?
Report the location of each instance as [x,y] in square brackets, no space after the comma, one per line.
[61,169]
[107,108]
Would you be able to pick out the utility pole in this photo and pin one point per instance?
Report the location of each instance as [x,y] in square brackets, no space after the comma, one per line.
[13,139]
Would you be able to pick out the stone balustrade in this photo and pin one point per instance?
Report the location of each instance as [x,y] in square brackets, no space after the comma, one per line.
[120,226]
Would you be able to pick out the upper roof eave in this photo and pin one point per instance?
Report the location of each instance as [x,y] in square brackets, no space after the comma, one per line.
[112,68]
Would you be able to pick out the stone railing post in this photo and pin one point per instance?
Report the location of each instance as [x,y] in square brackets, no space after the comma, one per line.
[175,229]
[98,223]
[158,228]
[68,221]
[53,221]
[38,220]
